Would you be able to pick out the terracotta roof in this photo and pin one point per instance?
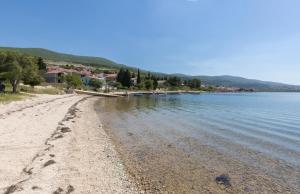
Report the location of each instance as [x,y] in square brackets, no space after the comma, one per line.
[111,75]
[92,77]
[85,72]
[100,75]
[61,70]
[55,71]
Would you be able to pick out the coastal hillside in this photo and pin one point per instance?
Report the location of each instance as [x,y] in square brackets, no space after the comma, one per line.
[56,56]
[226,80]
[240,82]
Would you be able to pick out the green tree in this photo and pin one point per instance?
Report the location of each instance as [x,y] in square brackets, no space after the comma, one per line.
[124,77]
[33,79]
[194,83]
[31,75]
[138,77]
[120,76]
[148,75]
[174,81]
[10,68]
[148,84]
[155,83]
[118,85]
[15,67]
[41,64]
[141,86]
[127,79]
[13,74]
[73,81]
[96,83]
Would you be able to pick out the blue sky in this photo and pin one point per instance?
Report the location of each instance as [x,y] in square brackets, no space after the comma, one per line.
[250,38]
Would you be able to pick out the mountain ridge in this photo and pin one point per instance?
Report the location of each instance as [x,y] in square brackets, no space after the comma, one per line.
[221,80]
[58,56]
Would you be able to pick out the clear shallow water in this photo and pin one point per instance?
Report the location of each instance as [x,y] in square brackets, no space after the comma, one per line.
[252,137]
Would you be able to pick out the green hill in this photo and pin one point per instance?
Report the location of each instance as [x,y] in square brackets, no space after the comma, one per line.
[233,81]
[228,81]
[56,56]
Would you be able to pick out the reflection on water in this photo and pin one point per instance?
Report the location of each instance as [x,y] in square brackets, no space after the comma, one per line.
[181,143]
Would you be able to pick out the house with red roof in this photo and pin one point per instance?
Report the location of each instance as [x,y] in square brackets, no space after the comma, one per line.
[111,77]
[54,74]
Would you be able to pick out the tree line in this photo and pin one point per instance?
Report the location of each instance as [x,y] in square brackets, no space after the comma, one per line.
[148,81]
[16,67]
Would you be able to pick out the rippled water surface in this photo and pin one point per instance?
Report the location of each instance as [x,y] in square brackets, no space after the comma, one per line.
[182,143]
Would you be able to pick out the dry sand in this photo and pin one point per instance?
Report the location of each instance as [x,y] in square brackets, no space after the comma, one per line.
[56,144]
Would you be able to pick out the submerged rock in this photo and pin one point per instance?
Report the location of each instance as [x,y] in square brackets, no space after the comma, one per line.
[223,180]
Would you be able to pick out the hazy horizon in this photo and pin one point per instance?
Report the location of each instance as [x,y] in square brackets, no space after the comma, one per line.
[251,38]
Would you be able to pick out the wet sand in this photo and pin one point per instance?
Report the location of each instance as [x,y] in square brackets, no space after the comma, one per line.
[185,165]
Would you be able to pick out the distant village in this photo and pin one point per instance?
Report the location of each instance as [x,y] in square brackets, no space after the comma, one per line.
[55,74]
[34,71]
[115,79]
[109,79]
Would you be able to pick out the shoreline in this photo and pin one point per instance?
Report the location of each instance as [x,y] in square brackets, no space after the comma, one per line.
[63,144]
[133,93]
[56,144]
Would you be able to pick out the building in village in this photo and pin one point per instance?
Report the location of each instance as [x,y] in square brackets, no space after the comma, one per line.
[54,74]
[87,79]
[112,77]
[134,81]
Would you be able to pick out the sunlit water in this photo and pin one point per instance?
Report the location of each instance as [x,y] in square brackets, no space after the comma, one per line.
[256,133]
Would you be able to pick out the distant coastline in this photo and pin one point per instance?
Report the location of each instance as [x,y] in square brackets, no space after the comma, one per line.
[56,58]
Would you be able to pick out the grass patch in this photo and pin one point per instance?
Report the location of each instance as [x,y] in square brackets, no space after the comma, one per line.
[46,90]
[8,97]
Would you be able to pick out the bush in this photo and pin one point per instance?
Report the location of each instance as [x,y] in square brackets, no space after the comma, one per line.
[95,83]
[148,84]
[73,81]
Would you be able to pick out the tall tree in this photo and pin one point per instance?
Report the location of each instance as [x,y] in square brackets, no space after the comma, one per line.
[124,77]
[148,76]
[155,83]
[41,64]
[120,76]
[127,79]
[138,77]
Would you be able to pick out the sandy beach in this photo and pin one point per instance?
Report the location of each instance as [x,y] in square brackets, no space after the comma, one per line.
[56,144]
